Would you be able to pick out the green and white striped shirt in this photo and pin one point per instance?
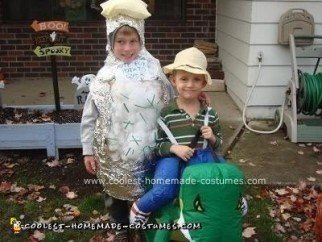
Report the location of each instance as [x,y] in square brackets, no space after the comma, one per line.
[184,128]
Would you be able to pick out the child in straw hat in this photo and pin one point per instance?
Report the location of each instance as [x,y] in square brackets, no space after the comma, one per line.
[180,121]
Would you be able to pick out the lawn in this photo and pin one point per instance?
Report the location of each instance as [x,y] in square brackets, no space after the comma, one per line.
[36,189]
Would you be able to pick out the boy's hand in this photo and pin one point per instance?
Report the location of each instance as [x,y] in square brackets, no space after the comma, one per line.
[90,164]
[207,133]
[182,151]
[204,98]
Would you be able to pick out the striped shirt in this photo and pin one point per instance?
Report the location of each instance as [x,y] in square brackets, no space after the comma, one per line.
[184,128]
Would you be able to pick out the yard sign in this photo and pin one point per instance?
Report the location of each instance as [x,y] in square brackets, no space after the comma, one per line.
[51,42]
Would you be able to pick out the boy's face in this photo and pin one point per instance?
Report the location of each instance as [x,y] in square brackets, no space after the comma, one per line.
[188,85]
[126,46]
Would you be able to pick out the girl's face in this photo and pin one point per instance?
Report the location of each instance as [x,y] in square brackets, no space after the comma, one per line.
[188,85]
[126,46]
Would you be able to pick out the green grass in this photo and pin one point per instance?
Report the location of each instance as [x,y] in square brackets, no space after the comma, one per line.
[36,172]
[88,204]
[32,210]
[259,206]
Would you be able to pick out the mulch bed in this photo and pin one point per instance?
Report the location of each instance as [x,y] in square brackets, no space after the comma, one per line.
[26,116]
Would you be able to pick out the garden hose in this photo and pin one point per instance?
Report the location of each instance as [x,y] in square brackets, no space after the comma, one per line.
[247,102]
[309,95]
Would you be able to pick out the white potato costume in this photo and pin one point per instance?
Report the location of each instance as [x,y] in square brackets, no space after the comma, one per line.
[119,119]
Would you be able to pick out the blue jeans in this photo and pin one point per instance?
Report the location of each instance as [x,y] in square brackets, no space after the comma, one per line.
[166,180]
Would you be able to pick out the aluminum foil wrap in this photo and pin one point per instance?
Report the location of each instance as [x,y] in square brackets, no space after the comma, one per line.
[129,98]
[126,129]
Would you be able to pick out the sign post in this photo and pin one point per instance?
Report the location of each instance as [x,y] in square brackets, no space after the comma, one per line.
[51,49]
[55,82]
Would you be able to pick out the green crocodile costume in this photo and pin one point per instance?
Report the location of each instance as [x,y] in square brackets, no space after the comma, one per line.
[213,202]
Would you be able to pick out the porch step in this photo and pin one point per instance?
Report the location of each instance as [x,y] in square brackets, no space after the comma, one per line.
[210,49]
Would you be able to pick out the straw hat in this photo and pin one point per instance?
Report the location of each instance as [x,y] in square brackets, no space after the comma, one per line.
[191,60]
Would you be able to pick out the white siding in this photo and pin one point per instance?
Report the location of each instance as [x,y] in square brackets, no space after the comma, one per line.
[247,27]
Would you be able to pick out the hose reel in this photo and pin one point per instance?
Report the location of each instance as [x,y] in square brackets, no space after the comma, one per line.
[309,94]
[303,115]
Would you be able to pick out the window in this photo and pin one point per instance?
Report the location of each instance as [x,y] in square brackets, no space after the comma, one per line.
[42,10]
[167,9]
[81,10]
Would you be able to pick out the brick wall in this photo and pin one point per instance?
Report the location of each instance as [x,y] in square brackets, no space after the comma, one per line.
[87,40]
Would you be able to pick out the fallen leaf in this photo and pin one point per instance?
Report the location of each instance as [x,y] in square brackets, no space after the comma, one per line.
[38,235]
[105,217]
[319,172]
[10,165]
[293,198]
[36,120]
[302,185]
[300,152]
[44,221]
[274,143]
[311,179]
[72,210]
[302,145]
[264,192]
[53,163]
[242,160]
[18,116]
[286,216]
[251,164]
[59,211]
[5,186]
[287,224]
[248,197]
[294,190]
[45,118]
[294,238]
[64,189]
[15,188]
[249,232]
[33,196]
[280,228]
[35,187]
[316,150]
[71,195]
[281,192]
[306,226]
[98,238]
[285,206]
[296,219]
[272,213]
[70,160]
[40,199]
[67,218]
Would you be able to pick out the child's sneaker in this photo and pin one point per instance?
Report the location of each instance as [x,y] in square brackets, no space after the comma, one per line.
[137,216]
[243,206]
